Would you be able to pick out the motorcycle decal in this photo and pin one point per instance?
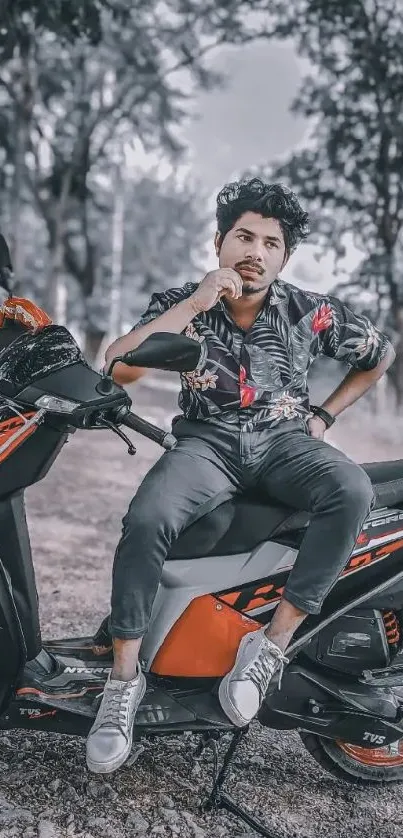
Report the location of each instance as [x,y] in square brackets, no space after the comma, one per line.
[384,538]
[8,428]
[265,592]
[390,548]
[373,738]
[87,670]
[36,713]
[379,520]
[253,597]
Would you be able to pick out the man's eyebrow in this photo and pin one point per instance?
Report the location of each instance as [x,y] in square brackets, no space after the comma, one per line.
[250,233]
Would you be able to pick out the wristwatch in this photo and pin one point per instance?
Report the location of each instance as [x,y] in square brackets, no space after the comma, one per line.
[323,414]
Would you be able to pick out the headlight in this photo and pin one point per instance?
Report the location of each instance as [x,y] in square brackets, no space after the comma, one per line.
[56,405]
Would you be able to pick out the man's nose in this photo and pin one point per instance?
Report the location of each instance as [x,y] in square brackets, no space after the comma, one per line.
[253,252]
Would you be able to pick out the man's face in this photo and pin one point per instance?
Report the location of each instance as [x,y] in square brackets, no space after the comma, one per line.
[255,248]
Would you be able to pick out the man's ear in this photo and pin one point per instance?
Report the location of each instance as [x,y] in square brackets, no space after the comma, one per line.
[217,243]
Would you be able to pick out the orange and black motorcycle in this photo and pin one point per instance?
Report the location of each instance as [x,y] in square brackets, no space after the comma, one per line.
[343,688]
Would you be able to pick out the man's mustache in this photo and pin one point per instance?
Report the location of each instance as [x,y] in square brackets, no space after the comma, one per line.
[250,266]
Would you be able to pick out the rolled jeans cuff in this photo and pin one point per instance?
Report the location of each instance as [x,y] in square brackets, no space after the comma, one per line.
[126,634]
[306,605]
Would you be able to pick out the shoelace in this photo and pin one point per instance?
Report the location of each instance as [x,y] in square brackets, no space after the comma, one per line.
[263,668]
[114,709]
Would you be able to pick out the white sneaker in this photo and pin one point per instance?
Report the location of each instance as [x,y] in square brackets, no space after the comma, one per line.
[242,690]
[110,739]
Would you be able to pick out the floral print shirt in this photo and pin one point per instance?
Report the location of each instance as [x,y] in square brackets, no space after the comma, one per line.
[258,378]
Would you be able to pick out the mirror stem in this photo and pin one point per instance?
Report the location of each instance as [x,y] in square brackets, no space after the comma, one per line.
[112,364]
[106,384]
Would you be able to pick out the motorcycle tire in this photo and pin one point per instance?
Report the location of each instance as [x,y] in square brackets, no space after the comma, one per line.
[355,764]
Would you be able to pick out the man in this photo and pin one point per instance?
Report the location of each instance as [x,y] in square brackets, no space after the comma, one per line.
[247,421]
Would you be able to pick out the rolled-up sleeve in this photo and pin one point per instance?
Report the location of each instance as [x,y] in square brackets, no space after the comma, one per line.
[160,302]
[157,306]
[352,338]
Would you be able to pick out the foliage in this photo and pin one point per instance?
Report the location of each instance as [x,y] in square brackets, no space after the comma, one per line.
[83,88]
[350,168]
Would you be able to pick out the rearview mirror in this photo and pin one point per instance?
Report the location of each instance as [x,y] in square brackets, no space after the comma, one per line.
[163,351]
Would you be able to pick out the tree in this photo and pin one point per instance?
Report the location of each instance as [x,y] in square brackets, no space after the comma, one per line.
[162,233]
[86,99]
[70,19]
[350,171]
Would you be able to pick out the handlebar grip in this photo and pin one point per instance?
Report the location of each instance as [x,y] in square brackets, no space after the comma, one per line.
[136,423]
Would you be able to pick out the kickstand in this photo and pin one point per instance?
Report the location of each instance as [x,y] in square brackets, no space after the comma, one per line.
[217,798]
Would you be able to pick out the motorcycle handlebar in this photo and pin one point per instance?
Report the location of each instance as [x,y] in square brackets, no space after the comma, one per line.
[136,423]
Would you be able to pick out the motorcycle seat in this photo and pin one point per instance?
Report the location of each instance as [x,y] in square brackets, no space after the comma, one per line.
[242,522]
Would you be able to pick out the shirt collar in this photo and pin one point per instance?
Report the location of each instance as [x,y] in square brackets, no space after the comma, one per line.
[270,299]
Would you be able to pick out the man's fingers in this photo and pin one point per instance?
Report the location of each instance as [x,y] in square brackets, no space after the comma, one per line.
[230,288]
[236,278]
[237,286]
[234,288]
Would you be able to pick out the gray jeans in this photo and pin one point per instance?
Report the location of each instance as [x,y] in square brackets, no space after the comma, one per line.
[210,462]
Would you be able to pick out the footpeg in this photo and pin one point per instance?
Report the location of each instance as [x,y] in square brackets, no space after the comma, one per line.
[383,677]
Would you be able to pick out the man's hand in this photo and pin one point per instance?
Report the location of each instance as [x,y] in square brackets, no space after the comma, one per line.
[316,427]
[224,282]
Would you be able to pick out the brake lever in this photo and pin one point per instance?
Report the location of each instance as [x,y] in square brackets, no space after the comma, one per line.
[107,423]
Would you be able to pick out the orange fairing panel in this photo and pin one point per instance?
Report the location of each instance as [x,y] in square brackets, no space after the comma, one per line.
[204,641]
[25,312]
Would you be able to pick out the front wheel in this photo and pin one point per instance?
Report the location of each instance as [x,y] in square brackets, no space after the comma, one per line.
[355,764]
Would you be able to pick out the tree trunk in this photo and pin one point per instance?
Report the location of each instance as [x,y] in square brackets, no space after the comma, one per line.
[94,339]
[60,309]
[16,239]
[115,300]
[23,116]
[55,294]
[54,279]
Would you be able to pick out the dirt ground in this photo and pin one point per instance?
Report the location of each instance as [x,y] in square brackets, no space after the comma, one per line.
[46,791]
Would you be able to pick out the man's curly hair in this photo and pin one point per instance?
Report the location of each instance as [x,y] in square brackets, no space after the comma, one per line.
[271,200]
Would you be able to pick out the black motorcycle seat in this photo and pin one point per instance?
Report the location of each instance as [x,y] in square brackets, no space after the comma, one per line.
[242,522]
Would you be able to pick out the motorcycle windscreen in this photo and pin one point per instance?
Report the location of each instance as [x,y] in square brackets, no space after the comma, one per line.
[32,355]
[13,654]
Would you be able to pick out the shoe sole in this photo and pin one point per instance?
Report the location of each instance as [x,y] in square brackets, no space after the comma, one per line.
[226,703]
[108,768]
[224,698]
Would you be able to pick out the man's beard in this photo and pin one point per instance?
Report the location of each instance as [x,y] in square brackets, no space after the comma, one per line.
[249,288]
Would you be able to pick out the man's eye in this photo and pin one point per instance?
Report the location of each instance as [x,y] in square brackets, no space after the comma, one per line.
[245,236]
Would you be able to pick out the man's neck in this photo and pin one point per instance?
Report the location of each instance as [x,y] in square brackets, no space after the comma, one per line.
[245,309]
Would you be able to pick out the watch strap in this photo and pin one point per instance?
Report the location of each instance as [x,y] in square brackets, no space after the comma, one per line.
[323,414]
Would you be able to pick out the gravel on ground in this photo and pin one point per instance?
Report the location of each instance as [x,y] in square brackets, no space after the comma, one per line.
[46,791]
